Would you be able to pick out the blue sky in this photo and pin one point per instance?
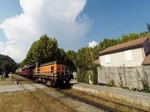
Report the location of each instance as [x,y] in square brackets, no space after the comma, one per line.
[99,19]
[113,18]
[8,8]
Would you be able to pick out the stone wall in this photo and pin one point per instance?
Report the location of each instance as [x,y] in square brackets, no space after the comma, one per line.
[132,77]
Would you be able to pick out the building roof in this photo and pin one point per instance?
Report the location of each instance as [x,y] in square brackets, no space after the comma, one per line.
[124,46]
[146,60]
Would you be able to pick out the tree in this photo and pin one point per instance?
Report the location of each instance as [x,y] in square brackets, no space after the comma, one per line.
[84,61]
[148,27]
[43,50]
[133,36]
[71,59]
[124,38]
[7,64]
[61,55]
[143,34]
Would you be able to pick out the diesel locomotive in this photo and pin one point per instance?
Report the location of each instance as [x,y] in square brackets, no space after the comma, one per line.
[54,73]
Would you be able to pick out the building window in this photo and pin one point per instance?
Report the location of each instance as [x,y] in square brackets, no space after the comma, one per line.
[107,59]
[128,55]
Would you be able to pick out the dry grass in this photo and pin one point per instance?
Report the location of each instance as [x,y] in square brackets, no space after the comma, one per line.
[33,101]
[28,101]
[7,81]
[11,81]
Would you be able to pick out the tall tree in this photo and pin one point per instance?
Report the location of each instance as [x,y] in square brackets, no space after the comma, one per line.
[7,64]
[133,36]
[124,38]
[43,50]
[71,59]
[61,55]
[84,62]
[148,27]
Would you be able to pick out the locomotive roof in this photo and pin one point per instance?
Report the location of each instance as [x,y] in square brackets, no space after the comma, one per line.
[53,62]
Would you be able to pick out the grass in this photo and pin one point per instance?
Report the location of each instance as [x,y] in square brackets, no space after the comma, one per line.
[28,101]
[33,101]
[7,81]
[11,81]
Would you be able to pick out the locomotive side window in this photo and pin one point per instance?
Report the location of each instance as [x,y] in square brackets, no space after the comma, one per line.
[38,70]
[52,68]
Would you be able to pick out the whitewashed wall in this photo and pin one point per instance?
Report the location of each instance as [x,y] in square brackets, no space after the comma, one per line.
[128,58]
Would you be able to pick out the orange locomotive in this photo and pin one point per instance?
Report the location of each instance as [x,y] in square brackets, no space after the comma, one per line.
[54,73]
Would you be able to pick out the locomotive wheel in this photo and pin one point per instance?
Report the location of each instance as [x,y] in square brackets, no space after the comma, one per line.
[48,82]
[36,80]
[43,81]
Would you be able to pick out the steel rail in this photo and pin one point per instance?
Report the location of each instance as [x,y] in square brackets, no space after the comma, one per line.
[56,99]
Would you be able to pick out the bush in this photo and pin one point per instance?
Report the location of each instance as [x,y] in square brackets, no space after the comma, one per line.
[111,83]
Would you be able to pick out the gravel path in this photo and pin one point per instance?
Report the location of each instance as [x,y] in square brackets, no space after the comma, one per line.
[23,87]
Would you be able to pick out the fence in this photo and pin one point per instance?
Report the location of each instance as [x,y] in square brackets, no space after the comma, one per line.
[132,77]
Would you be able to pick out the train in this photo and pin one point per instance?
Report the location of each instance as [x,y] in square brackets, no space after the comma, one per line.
[54,73]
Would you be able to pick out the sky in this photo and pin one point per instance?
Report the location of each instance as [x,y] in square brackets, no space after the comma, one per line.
[74,23]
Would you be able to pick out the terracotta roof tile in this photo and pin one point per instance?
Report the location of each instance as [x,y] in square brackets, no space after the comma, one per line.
[146,60]
[124,46]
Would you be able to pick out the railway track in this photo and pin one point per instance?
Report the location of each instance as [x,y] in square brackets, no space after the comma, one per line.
[99,105]
[46,108]
[85,100]
[55,98]
[19,81]
[102,107]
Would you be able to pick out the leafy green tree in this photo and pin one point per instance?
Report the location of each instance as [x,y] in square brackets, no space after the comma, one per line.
[143,34]
[124,38]
[84,61]
[43,50]
[71,59]
[148,27]
[7,64]
[133,36]
[61,55]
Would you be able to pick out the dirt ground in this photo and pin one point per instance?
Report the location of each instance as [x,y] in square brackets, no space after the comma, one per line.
[26,98]
[25,101]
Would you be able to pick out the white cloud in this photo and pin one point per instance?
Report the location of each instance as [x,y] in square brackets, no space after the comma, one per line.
[56,18]
[93,44]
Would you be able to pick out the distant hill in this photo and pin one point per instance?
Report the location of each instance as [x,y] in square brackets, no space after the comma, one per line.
[7,64]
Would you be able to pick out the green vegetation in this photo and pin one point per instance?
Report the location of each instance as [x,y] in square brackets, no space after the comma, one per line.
[86,56]
[43,50]
[46,49]
[7,64]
